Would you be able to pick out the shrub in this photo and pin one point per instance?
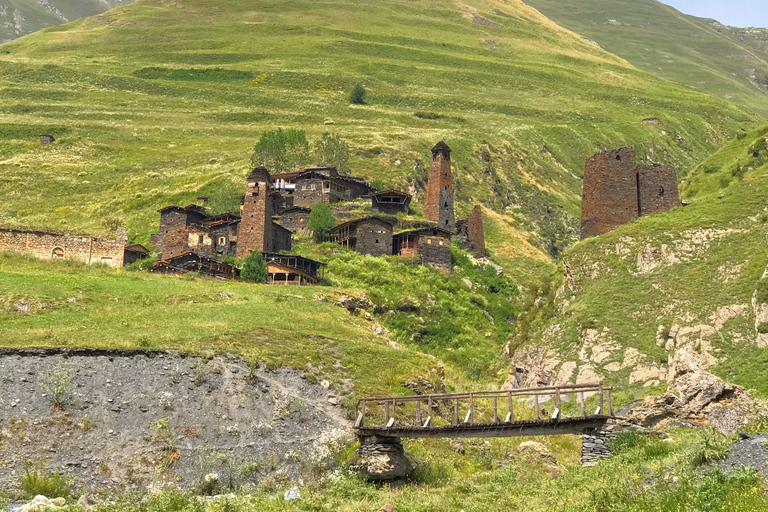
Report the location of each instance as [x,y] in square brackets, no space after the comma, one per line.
[428,115]
[332,151]
[49,484]
[357,96]
[321,221]
[255,269]
[762,291]
[281,150]
[56,385]
[711,447]
[762,327]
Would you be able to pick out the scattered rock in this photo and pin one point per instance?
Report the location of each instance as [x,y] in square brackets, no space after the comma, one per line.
[388,507]
[537,451]
[382,459]
[349,301]
[41,503]
[292,494]
[693,398]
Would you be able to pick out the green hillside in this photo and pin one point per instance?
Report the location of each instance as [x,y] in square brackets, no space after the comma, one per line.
[21,17]
[690,279]
[156,104]
[731,63]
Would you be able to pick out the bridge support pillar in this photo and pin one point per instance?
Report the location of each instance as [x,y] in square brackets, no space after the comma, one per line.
[595,443]
[382,459]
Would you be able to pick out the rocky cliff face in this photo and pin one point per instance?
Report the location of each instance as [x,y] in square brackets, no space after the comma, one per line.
[120,420]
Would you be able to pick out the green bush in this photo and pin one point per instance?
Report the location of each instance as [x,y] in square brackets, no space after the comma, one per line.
[357,96]
[281,150]
[50,485]
[762,291]
[141,265]
[254,269]
[712,446]
[321,221]
[332,151]
[762,327]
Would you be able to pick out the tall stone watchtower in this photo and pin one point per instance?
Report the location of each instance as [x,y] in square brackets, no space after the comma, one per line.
[610,191]
[255,231]
[439,204]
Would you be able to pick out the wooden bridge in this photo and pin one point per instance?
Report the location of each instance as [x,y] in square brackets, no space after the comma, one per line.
[486,413]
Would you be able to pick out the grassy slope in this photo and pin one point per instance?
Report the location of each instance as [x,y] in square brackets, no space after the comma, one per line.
[138,311]
[659,39]
[22,17]
[696,267]
[523,105]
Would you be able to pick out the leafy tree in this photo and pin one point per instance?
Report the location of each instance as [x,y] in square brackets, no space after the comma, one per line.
[254,269]
[357,96]
[321,221]
[332,151]
[281,150]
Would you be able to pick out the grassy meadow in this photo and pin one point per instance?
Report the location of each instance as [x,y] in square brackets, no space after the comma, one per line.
[157,103]
[660,39]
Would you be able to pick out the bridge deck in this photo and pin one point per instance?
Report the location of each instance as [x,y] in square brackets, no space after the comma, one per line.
[550,427]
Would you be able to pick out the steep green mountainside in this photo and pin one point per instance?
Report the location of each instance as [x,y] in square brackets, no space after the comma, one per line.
[754,37]
[626,304]
[158,102]
[22,17]
[659,39]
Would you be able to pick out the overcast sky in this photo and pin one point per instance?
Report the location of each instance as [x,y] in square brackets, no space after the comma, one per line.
[737,13]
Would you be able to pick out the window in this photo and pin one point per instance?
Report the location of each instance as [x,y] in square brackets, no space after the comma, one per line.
[58,253]
[106,261]
[200,239]
[429,241]
[301,219]
[222,240]
[618,157]
[446,203]
[440,242]
[377,240]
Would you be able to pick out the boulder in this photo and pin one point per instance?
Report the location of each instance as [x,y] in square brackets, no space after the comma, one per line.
[388,507]
[352,302]
[693,398]
[537,451]
[41,503]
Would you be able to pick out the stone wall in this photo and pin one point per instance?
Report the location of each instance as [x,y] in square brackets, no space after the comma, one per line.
[374,237]
[616,191]
[658,188]
[308,192]
[435,250]
[295,220]
[471,235]
[595,445]
[281,239]
[63,245]
[609,191]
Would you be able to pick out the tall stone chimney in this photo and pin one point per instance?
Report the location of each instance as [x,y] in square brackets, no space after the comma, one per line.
[439,204]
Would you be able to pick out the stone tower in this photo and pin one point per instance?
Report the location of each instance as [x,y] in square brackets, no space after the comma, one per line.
[439,204]
[616,191]
[255,231]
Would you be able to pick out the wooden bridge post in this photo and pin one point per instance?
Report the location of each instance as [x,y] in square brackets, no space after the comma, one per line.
[536,406]
[428,423]
[386,413]
[456,412]
[361,416]
[556,415]
[609,410]
[391,421]
[495,410]
[581,404]
[600,400]
[511,415]
[418,412]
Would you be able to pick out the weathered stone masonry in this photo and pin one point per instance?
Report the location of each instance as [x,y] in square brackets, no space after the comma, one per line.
[439,203]
[617,190]
[470,233]
[60,245]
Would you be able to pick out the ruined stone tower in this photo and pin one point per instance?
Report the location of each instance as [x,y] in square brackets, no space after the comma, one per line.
[617,190]
[255,231]
[470,233]
[439,204]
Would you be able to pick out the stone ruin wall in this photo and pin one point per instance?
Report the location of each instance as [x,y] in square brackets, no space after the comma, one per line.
[616,190]
[658,188]
[609,193]
[435,255]
[471,235]
[49,245]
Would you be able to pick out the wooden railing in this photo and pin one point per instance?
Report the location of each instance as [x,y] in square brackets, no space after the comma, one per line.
[503,406]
